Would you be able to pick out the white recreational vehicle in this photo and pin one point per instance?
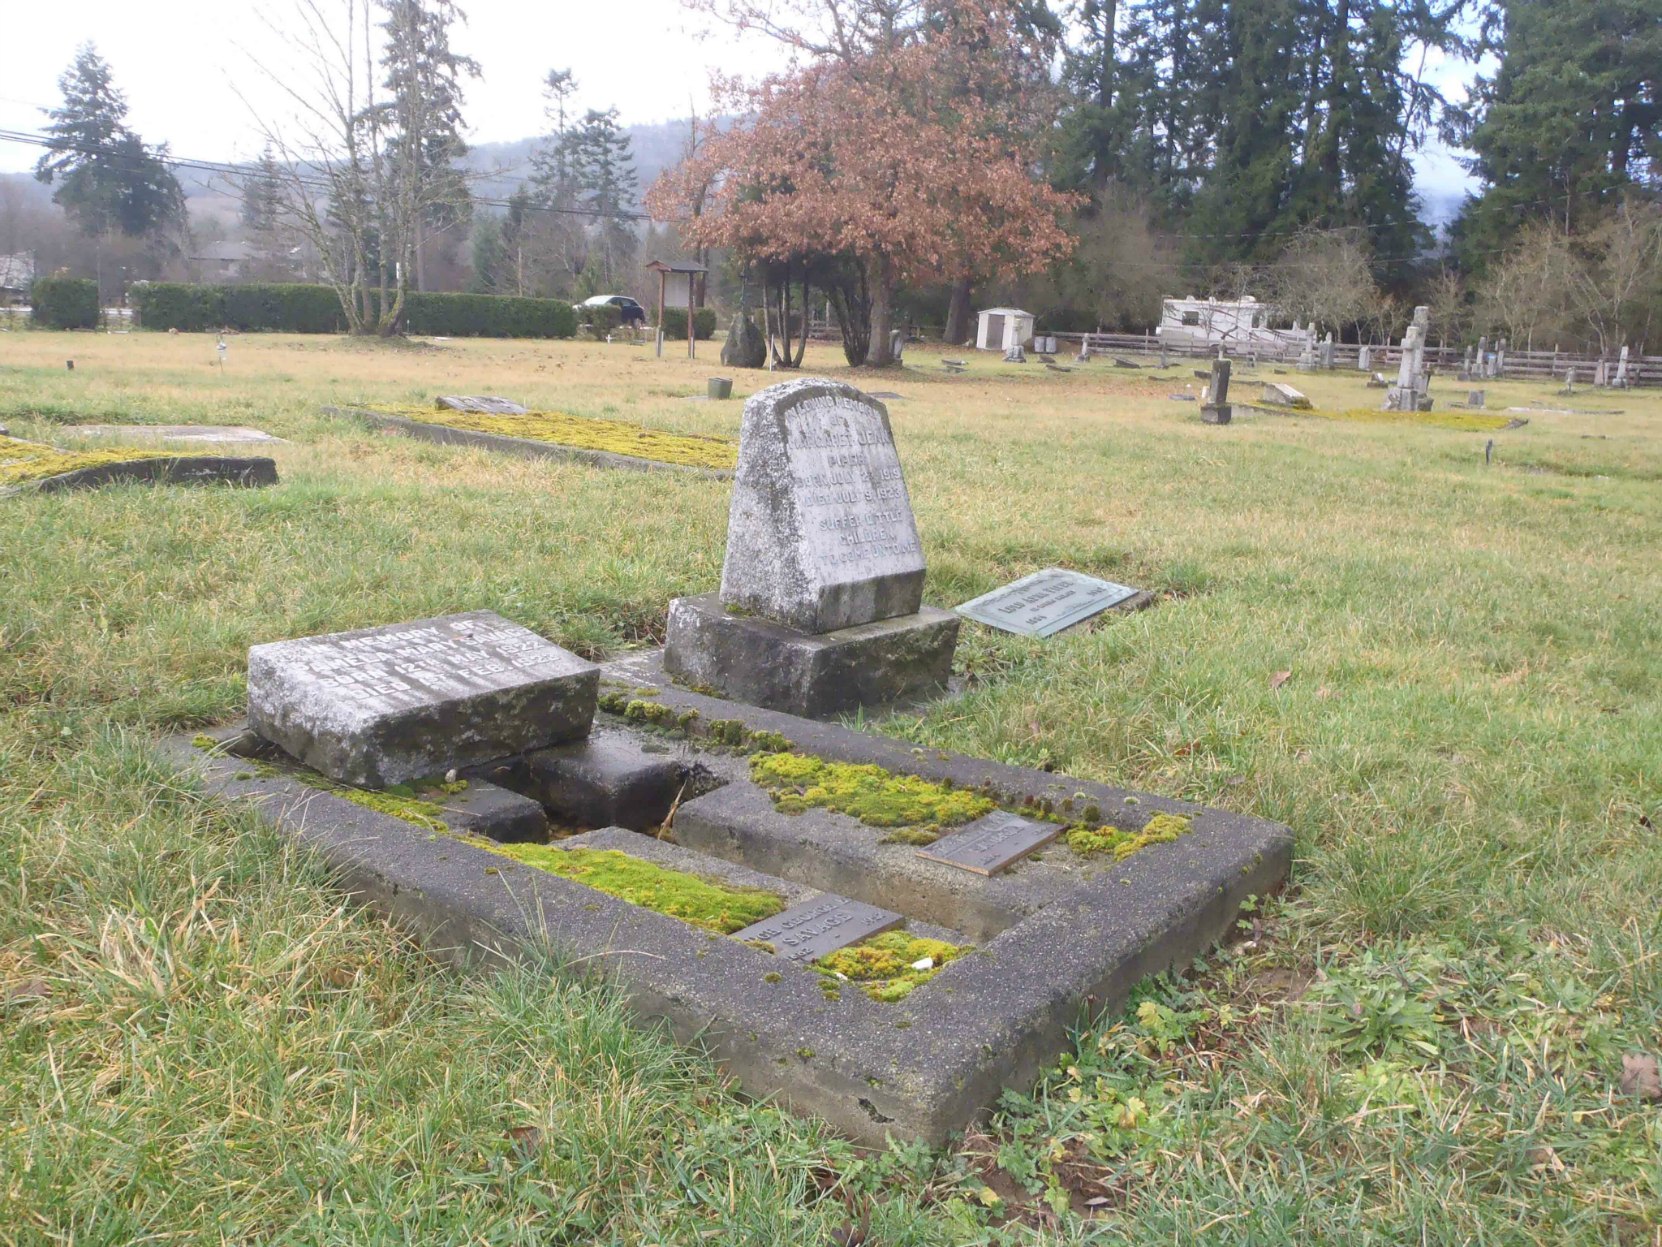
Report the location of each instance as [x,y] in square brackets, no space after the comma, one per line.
[1239,325]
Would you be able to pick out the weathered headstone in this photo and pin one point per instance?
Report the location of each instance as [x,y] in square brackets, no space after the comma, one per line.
[820,608]
[1045,602]
[1500,359]
[383,705]
[1307,359]
[991,844]
[1621,370]
[1327,351]
[1476,399]
[1410,393]
[1364,358]
[481,404]
[1015,354]
[1601,374]
[1164,364]
[745,347]
[897,344]
[1569,381]
[1284,395]
[1216,409]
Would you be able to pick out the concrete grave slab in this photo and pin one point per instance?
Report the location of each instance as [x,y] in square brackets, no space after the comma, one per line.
[816,675]
[1045,941]
[192,434]
[383,705]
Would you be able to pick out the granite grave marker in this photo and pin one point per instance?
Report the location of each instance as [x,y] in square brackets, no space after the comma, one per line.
[1045,602]
[380,706]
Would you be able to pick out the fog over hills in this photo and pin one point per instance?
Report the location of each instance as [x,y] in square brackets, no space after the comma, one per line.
[500,168]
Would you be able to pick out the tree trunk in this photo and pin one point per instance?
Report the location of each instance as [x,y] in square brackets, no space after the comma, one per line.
[958,314]
[880,281]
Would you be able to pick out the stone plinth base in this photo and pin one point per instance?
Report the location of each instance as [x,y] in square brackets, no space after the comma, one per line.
[1217,413]
[761,663]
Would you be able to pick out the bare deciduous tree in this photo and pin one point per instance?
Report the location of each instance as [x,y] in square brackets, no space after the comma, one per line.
[340,154]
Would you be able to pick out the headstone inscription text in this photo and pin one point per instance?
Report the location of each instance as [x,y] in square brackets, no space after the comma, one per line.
[1046,602]
[808,931]
[397,670]
[856,518]
[990,844]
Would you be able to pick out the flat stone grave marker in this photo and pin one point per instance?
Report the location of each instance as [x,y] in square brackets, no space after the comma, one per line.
[380,706]
[209,434]
[482,404]
[808,931]
[1284,395]
[991,844]
[1045,602]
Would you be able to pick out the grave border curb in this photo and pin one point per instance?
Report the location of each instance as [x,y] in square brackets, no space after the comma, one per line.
[521,447]
[923,1067]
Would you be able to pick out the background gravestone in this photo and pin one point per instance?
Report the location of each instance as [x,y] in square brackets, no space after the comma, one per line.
[383,705]
[820,608]
[745,346]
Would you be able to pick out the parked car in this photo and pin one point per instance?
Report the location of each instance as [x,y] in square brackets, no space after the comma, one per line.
[630,312]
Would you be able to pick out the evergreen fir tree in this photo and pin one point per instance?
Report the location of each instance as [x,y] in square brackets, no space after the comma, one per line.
[108,179]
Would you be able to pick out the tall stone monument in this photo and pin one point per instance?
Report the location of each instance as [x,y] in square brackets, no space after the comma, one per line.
[1215,408]
[820,609]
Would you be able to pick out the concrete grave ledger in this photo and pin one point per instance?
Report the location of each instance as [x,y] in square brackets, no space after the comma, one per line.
[384,705]
[820,534]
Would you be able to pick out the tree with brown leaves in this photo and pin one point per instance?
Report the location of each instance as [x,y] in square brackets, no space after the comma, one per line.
[901,140]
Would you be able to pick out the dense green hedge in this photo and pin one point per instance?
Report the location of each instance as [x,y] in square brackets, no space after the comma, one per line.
[675,322]
[602,320]
[315,309]
[488,316]
[64,303]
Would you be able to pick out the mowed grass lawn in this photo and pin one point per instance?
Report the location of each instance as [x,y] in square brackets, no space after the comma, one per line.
[1445,676]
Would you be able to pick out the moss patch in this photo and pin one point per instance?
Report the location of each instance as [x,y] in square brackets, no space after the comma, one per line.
[1465,421]
[876,797]
[1161,829]
[24,462]
[714,906]
[883,966]
[613,436]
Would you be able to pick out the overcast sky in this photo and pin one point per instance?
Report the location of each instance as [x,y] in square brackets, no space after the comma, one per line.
[183,62]
[179,60]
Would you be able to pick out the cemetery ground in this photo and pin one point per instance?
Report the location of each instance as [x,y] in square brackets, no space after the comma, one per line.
[1445,676]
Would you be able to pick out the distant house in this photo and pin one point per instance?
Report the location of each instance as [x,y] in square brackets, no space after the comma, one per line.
[1239,323]
[17,274]
[222,261]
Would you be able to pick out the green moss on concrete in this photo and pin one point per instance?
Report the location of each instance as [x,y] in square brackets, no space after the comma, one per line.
[1161,829]
[878,798]
[612,436]
[886,967]
[702,902]
[23,463]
